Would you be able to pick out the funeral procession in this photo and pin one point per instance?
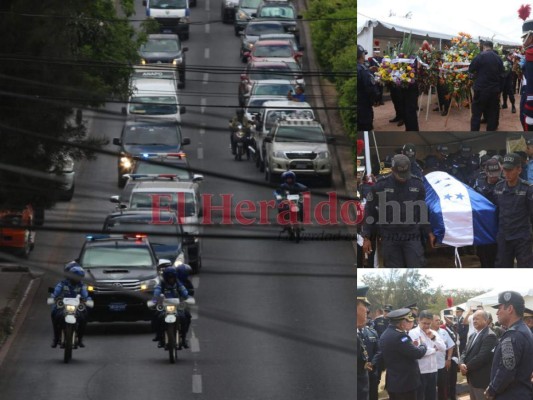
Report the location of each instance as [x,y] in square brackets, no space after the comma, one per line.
[177,208]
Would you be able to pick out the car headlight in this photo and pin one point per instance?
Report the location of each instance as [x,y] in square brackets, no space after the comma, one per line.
[177,61]
[323,154]
[184,20]
[291,29]
[279,154]
[143,61]
[179,260]
[171,308]
[70,308]
[250,45]
[149,284]
[242,15]
[125,162]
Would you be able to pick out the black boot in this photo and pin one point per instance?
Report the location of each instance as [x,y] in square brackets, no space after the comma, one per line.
[57,337]
[55,342]
[504,106]
[80,342]
[183,342]
[161,343]
[513,109]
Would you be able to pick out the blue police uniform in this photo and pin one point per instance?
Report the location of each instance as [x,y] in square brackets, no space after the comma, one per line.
[367,94]
[401,242]
[362,372]
[415,169]
[370,338]
[487,252]
[515,210]
[529,171]
[380,324]
[400,356]
[512,366]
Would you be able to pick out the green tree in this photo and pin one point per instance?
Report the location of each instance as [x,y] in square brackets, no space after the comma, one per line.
[57,56]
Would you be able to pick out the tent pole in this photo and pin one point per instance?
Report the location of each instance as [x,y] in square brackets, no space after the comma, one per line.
[367,154]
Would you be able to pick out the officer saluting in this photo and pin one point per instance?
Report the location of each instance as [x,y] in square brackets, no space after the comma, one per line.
[363,362]
[400,355]
[512,366]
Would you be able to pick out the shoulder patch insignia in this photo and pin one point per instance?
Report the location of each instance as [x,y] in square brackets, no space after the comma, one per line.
[414,189]
[391,190]
[508,357]
[404,339]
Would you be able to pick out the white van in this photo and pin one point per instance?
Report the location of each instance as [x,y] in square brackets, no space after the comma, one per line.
[157,98]
[172,15]
[269,114]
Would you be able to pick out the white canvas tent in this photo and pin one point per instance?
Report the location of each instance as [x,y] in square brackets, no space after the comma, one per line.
[436,31]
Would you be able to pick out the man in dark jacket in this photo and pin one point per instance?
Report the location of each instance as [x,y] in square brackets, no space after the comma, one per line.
[489,70]
[476,361]
[367,93]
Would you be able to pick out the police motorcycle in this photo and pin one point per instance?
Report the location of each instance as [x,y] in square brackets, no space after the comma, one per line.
[171,306]
[291,203]
[243,143]
[70,308]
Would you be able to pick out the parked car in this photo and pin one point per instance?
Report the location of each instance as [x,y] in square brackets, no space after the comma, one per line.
[16,233]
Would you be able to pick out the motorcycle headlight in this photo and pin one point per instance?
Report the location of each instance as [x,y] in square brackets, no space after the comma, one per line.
[149,284]
[125,162]
[242,15]
[250,45]
[177,61]
[323,154]
[143,61]
[279,154]
[171,308]
[239,134]
[70,308]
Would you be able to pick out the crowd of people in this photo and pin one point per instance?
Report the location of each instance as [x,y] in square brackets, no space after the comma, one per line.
[421,355]
[504,180]
[493,86]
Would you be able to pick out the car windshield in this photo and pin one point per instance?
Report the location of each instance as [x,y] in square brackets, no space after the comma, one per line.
[153,105]
[168,4]
[11,220]
[277,12]
[161,46]
[129,256]
[142,167]
[299,133]
[273,115]
[281,72]
[259,29]
[274,89]
[151,135]
[250,3]
[181,202]
[282,50]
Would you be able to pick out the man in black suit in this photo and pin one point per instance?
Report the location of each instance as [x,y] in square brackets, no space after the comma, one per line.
[476,361]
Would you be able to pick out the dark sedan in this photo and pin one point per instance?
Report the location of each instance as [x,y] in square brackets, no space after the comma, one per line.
[165,49]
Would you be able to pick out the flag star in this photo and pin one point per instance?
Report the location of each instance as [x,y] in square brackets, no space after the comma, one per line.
[436,183]
[448,197]
[460,196]
[449,184]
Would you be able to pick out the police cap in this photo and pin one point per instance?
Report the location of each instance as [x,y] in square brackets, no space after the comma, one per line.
[511,160]
[401,166]
[361,50]
[492,168]
[443,149]
[387,307]
[528,313]
[361,294]
[510,297]
[402,313]
[459,308]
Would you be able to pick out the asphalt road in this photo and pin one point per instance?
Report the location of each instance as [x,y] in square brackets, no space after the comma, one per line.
[274,319]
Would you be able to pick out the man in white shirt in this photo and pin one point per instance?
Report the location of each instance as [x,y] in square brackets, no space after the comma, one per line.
[444,358]
[423,334]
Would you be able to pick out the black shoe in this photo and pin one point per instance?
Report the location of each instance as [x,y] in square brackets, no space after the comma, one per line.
[504,106]
[483,121]
[156,339]
[62,345]
[395,119]
[513,110]
[183,343]
[444,113]
[160,344]
[400,123]
[80,343]
[54,344]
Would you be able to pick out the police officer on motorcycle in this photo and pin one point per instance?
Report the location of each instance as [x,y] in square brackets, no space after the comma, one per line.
[239,119]
[171,287]
[70,288]
[289,184]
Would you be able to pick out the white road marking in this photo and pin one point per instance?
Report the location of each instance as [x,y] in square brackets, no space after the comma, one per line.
[197,383]
[203,102]
[200,153]
[207,5]
[194,312]
[196,279]
[206,52]
[195,343]
[206,78]
[207,28]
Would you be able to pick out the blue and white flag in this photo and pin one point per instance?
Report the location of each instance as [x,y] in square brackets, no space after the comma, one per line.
[459,215]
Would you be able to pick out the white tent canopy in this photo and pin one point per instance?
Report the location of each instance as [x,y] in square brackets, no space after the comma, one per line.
[434,30]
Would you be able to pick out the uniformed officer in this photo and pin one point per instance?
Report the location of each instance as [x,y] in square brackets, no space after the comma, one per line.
[370,339]
[512,366]
[461,328]
[485,184]
[396,210]
[414,312]
[514,198]
[528,318]
[489,70]
[364,364]
[381,322]
[442,154]
[409,150]
[464,165]
[400,355]
[367,93]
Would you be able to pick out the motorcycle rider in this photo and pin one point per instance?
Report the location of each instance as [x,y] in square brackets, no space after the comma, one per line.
[70,288]
[241,119]
[171,287]
[289,184]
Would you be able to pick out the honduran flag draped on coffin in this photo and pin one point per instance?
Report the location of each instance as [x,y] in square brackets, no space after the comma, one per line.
[459,215]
